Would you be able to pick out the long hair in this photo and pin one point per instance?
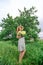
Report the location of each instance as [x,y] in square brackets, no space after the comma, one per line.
[19,28]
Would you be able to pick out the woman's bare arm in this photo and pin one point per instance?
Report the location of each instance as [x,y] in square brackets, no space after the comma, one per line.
[18,36]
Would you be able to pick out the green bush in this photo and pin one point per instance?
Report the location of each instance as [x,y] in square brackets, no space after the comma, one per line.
[9,54]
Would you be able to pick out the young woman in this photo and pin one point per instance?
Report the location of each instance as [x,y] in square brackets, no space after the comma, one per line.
[21,43]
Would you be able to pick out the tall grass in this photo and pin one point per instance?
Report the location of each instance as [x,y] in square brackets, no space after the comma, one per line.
[9,53]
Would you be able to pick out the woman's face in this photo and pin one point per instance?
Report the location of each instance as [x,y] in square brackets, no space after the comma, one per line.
[21,27]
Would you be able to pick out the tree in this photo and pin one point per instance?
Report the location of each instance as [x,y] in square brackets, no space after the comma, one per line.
[27,18]
[8,27]
[30,22]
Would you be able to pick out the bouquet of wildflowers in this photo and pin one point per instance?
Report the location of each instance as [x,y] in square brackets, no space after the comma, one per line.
[20,31]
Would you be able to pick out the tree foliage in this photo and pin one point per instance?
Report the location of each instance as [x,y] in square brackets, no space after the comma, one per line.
[27,18]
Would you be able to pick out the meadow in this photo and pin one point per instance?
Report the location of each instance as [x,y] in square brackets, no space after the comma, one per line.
[9,53]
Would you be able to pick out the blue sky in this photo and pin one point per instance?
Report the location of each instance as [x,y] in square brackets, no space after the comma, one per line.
[12,6]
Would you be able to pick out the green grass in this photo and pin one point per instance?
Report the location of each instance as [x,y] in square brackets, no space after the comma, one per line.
[9,53]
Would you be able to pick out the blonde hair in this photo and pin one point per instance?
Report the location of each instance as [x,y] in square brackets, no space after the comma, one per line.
[20,28]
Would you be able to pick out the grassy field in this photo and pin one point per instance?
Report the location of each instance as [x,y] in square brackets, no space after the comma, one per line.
[9,53]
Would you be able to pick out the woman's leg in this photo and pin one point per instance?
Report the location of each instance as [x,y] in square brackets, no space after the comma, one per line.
[21,55]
